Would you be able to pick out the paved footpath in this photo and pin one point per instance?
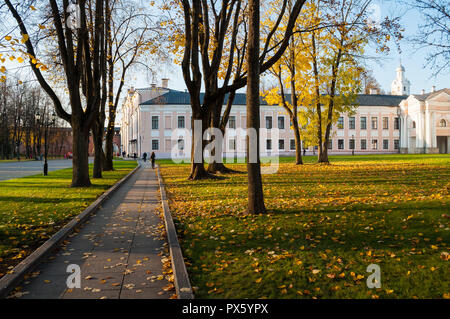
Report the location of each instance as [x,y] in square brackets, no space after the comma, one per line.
[120,250]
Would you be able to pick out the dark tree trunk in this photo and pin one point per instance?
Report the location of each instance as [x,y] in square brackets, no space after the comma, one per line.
[109,156]
[198,170]
[298,142]
[97,138]
[323,155]
[220,122]
[219,167]
[255,189]
[80,149]
[334,71]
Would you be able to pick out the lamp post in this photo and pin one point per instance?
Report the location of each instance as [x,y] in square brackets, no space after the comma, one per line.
[46,125]
[18,139]
[353,146]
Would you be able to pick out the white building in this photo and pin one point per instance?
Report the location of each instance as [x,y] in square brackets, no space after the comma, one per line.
[158,119]
[425,122]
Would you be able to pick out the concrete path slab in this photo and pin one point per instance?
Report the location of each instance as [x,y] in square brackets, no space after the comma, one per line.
[121,250]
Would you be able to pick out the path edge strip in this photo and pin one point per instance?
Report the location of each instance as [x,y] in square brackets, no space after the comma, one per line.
[181,278]
[9,281]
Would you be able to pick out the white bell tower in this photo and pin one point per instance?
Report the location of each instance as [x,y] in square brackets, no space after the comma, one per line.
[401,85]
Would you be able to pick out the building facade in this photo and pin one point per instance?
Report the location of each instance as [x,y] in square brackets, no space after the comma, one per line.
[158,119]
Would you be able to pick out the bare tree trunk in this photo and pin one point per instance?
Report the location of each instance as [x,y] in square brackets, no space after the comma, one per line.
[298,142]
[323,158]
[198,170]
[80,148]
[255,189]
[109,156]
[220,122]
[97,139]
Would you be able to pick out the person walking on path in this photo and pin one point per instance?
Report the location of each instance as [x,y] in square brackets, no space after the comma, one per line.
[152,157]
[144,157]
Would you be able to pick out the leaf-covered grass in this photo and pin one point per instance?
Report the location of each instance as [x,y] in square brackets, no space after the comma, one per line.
[326,224]
[33,208]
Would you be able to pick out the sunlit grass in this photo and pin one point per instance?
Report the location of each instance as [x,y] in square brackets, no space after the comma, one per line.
[326,224]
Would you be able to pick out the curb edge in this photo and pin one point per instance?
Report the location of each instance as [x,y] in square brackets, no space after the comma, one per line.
[182,284]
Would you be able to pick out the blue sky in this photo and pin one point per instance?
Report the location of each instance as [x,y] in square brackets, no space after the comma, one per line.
[383,69]
[419,75]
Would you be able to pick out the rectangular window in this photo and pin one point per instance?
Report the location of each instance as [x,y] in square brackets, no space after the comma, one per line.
[181,122]
[385,123]
[340,123]
[168,122]
[155,145]
[352,144]
[155,123]
[351,123]
[341,144]
[330,144]
[268,122]
[268,144]
[232,122]
[396,144]
[281,144]
[232,144]
[363,123]
[281,122]
[385,144]
[396,123]
[363,144]
[374,123]
[292,146]
[374,144]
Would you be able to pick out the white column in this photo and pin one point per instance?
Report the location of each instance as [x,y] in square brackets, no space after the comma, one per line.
[420,131]
[404,138]
[427,127]
[448,144]
[433,129]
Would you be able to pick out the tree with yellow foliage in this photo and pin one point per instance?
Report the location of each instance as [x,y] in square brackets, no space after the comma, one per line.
[325,70]
[204,52]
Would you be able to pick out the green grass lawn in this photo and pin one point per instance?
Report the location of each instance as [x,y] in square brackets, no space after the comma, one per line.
[326,224]
[33,208]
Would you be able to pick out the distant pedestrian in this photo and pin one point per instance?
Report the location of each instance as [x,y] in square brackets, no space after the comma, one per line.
[152,158]
[304,151]
[144,157]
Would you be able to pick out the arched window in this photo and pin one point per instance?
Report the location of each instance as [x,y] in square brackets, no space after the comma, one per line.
[414,124]
[443,123]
